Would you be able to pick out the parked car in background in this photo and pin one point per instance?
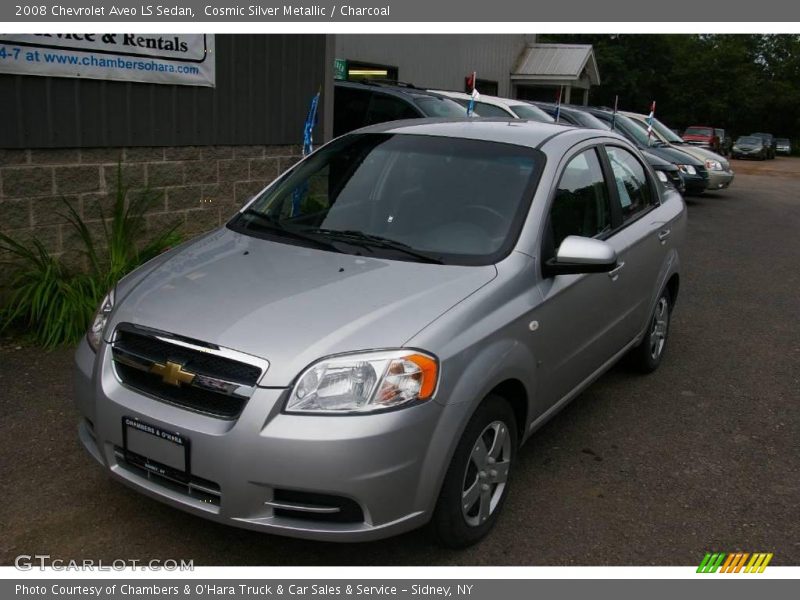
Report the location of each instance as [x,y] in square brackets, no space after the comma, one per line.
[693,171]
[783,146]
[750,146]
[667,172]
[403,308]
[725,142]
[494,106]
[769,142]
[703,136]
[720,174]
[359,104]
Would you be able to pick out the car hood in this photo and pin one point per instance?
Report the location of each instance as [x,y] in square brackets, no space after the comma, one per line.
[703,154]
[674,155]
[657,162]
[292,305]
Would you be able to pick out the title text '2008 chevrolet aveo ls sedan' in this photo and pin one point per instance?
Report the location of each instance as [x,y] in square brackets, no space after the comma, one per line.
[363,348]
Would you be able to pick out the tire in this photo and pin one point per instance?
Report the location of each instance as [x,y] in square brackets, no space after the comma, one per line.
[647,356]
[457,522]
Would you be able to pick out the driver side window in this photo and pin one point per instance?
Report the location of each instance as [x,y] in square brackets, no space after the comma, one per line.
[581,205]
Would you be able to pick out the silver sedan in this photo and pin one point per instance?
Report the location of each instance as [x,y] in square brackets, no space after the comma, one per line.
[364,347]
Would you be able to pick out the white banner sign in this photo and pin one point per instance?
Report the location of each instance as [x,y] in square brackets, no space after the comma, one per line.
[184,59]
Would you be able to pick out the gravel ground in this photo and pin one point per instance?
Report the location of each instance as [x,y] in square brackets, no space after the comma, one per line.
[651,470]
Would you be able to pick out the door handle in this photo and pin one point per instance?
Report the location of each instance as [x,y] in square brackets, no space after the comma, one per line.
[664,234]
[613,273]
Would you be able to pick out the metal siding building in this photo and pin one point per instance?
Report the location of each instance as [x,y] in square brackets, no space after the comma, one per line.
[439,61]
[263,86]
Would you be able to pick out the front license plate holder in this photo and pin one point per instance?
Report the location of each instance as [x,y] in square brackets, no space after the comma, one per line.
[155,449]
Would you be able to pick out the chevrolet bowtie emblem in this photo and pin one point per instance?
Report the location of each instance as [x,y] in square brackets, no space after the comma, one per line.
[172,373]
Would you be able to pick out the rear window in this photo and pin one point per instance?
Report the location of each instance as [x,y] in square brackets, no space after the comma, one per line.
[532,113]
[699,131]
[482,109]
[433,106]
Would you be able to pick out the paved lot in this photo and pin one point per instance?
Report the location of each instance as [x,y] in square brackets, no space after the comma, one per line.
[704,454]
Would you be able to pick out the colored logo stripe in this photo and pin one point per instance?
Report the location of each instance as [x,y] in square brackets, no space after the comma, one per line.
[734,562]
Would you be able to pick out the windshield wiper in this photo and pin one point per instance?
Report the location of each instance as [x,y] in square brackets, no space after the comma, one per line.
[273,225]
[366,240]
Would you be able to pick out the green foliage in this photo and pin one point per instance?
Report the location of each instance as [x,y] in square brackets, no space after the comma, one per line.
[743,83]
[54,302]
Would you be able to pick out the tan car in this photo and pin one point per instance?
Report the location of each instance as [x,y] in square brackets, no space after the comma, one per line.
[720,174]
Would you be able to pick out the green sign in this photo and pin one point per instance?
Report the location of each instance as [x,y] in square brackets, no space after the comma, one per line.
[339,68]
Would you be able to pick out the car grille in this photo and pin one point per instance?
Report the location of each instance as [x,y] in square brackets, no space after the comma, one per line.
[675,178]
[212,380]
[702,171]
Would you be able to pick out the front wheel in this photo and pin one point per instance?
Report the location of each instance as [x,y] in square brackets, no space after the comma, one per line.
[476,484]
[646,357]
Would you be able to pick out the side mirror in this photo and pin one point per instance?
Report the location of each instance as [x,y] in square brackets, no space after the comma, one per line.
[578,254]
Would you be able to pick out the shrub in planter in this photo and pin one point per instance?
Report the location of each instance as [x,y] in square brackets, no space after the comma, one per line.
[55,302]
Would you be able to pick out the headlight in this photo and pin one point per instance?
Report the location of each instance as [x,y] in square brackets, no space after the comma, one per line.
[662,177]
[713,165]
[95,334]
[365,382]
[688,169]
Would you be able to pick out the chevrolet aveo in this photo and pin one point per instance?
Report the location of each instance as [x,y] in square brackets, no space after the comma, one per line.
[364,347]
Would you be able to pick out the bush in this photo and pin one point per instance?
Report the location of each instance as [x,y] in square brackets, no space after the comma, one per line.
[55,303]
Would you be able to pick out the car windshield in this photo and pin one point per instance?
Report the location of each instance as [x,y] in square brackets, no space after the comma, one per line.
[435,106]
[749,139]
[405,197]
[530,112]
[590,121]
[698,131]
[632,131]
[661,131]
[782,140]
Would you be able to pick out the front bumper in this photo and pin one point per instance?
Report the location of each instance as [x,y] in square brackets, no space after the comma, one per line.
[695,184]
[719,180]
[390,464]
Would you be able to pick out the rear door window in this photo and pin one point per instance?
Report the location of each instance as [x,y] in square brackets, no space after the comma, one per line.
[631,182]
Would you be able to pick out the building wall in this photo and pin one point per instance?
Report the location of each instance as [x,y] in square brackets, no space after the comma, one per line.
[439,61]
[197,187]
[204,151]
[264,84]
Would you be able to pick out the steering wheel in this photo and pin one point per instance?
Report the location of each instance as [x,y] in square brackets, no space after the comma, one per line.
[498,221]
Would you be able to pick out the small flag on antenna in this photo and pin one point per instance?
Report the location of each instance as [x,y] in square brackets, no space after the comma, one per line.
[650,118]
[472,82]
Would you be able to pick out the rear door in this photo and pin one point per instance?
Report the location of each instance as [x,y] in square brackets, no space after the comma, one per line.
[641,241]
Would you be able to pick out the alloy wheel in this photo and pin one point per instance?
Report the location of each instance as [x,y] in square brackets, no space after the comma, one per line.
[658,331]
[486,473]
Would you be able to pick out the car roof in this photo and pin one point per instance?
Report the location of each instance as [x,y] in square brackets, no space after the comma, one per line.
[388,88]
[520,132]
